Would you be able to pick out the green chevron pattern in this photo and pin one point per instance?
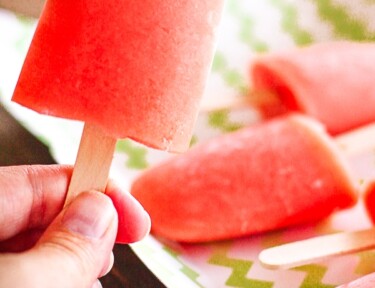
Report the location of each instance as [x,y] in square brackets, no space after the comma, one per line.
[247,25]
[220,119]
[290,23]
[314,276]
[366,263]
[240,268]
[345,26]
[136,155]
[230,76]
[190,273]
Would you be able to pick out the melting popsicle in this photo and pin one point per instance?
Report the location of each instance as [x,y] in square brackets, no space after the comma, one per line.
[132,69]
[274,174]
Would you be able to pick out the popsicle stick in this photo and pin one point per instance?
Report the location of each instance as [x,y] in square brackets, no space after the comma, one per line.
[358,140]
[318,248]
[93,162]
[313,249]
[254,99]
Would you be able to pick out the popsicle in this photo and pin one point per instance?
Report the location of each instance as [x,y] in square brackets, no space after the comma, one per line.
[314,249]
[369,200]
[132,69]
[330,81]
[367,281]
[275,174]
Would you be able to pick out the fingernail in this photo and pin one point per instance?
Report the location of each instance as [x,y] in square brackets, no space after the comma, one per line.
[90,214]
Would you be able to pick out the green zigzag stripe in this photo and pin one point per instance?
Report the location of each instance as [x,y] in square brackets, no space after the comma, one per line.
[240,268]
[136,155]
[230,76]
[314,276]
[220,119]
[290,23]
[190,273]
[366,263]
[345,26]
[246,33]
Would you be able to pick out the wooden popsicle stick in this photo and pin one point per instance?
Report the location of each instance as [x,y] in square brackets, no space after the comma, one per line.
[93,162]
[254,99]
[302,252]
[358,140]
[306,251]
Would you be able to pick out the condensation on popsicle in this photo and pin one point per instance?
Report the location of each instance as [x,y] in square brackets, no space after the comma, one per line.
[332,82]
[268,176]
[135,69]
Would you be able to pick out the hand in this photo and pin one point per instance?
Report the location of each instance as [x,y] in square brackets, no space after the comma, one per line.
[43,244]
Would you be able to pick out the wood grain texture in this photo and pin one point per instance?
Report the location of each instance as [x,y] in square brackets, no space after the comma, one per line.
[93,162]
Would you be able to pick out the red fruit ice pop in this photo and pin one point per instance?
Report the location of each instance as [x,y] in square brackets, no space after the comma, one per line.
[367,281]
[132,69]
[369,200]
[313,249]
[268,176]
[332,82]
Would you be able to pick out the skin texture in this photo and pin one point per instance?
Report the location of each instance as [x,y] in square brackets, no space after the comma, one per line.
[43,244]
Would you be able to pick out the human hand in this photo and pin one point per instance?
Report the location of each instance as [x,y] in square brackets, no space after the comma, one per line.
[43,244]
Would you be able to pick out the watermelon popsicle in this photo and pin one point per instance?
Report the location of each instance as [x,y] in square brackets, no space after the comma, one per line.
[132,69]
[367,281]
[274,174]
[330,81]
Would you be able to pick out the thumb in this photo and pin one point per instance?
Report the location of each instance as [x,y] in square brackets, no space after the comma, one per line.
[73,252]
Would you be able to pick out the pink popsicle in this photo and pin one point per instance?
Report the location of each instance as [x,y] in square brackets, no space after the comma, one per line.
[130,68]
[134,68]
[367,281]
[269,176]
[332,82]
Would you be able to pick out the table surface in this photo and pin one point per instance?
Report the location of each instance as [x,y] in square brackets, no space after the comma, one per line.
[18,146]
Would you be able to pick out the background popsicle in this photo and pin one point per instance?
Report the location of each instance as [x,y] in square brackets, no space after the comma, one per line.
[267,176]
[331,82]
[369,200]
[367,281]
[127,68]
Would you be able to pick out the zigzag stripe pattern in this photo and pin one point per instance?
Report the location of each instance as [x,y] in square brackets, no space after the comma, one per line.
[240,268]
[314,276]
[289,23]
[345,26]
[137,156]
[246,31]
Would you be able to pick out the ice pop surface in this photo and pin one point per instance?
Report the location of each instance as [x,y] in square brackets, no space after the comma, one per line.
[367,281]
[369,199]
[136,69]
[331,82]
[278,173]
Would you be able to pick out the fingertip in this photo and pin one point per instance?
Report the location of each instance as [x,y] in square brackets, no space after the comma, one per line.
[97,284]
[134,221]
